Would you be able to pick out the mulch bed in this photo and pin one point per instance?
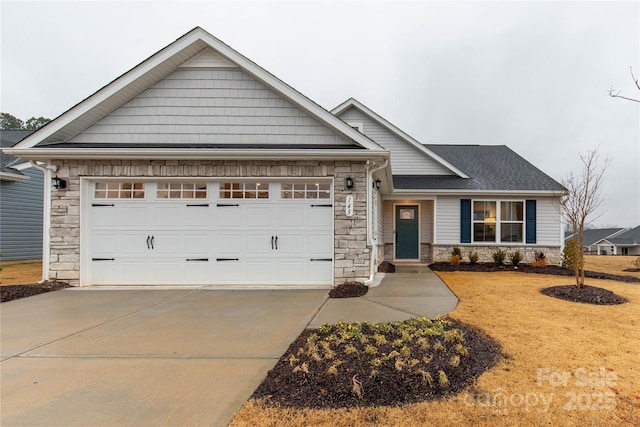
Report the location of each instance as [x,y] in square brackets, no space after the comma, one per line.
[527,268]
[390,387]
[588,295]
[349,290]
[13,292]
[632,270]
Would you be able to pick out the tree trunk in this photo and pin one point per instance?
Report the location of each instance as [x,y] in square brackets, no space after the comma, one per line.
[577,239]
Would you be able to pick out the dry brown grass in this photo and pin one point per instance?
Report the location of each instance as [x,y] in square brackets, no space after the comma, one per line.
[539,334]
[611,264]
[20,272]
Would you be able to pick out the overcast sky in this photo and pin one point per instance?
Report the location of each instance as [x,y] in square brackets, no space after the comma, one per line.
[530,75]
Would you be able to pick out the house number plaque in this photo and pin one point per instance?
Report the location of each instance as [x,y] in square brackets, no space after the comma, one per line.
[349,206]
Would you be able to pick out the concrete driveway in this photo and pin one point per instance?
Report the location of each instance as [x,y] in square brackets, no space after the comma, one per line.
[143,357]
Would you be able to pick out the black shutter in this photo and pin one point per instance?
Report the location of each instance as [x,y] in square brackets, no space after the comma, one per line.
[465,220]
[530,212]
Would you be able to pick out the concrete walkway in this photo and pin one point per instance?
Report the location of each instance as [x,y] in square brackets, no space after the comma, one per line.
[89,357]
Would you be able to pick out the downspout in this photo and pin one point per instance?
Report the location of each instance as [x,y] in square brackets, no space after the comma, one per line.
[371,242]
[46,218]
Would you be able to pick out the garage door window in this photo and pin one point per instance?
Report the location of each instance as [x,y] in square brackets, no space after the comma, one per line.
[306,190]
[119,190]
[244,190]
[182,190]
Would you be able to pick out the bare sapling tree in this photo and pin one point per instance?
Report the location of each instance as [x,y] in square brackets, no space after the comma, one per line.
[582,197]
[616,93]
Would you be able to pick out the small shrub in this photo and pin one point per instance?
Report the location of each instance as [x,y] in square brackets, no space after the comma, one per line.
[473,257]
[571,255]
[442,379]
[540,260]
[499,256]
[455,260]
[456,251]
[515,257]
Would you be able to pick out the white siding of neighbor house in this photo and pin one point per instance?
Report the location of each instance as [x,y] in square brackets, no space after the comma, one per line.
[209,106]
[405,159]
[426,219]
[448,219]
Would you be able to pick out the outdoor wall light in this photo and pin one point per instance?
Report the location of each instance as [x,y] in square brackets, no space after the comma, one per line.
[377,184]
[349,183]
[58,183]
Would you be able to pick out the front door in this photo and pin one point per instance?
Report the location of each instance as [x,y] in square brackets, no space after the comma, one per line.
[407,242]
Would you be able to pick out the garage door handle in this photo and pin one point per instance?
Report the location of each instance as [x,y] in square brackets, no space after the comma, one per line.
[148,240]
[276,243]
[152,237]
[271,242]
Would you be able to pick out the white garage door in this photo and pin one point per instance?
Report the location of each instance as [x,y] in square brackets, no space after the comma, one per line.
[198,233]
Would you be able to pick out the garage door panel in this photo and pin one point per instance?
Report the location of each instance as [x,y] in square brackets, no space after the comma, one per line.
[167,216]
[258,243]
[290,216]
[318,243]
[320,217]
[258,216]
[196,216]
[229,216]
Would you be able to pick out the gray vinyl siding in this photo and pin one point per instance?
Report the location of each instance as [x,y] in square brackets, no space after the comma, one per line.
[426,219]
[448,219]
[405,159]
[379,204]
[21,217]
[209,106]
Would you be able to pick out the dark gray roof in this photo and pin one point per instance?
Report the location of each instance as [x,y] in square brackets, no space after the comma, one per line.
[630,237]
[9,138]
[490,167]
[593,235]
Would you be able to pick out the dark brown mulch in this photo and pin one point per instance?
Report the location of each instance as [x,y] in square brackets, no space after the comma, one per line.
[527,268]
[389,387]
[632,270]
[14,292]
[386,267]
[349,290]
[588,295]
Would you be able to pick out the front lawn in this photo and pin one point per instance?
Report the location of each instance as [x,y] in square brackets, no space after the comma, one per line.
[564,363]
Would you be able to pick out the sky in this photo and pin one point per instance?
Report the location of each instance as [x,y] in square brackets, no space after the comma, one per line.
[531,75]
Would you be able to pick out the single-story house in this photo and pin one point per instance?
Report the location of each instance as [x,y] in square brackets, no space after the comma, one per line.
[592,236]
[21,197]
[625,243]
[199,167]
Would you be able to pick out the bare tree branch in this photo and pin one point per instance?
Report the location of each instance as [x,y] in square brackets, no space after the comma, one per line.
[616,94]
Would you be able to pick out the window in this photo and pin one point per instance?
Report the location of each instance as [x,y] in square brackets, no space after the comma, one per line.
[119,190]
[306,190]
[182,190]
[484,221]
[511,222]
[495,221]
[244,190]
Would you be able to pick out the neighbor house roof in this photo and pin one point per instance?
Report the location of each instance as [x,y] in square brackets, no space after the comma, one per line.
[8,138]
[50,140]
[594,235]
[490,168]
[629,237]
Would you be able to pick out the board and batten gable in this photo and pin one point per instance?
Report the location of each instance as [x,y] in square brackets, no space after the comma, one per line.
[406,160]
[448,218]
[209,100]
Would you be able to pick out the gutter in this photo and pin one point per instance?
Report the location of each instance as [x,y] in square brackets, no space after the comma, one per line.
[371,242]
[46,218]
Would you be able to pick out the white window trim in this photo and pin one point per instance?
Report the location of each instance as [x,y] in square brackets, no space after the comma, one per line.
[499,222]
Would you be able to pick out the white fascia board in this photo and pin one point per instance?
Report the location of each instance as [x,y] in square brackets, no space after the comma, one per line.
[404,194]
[352,102]
[194,154]
[6,176]
[152,63]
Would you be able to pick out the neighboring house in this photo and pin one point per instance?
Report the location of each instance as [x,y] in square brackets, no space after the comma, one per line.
[198,167]
[593,236]
[624,243]
[21,196]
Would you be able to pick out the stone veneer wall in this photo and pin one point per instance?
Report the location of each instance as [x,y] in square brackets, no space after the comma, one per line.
[425,252]
[350,245]
[443,252]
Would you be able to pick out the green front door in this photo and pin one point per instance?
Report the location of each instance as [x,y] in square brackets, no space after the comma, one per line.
[407,244]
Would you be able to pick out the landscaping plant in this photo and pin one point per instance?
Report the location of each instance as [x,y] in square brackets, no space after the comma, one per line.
[499,256]
[515,258]
[540,260]
[473,257]
[571,256]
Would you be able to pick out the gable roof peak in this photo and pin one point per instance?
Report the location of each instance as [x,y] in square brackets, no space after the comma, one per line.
[354,103]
